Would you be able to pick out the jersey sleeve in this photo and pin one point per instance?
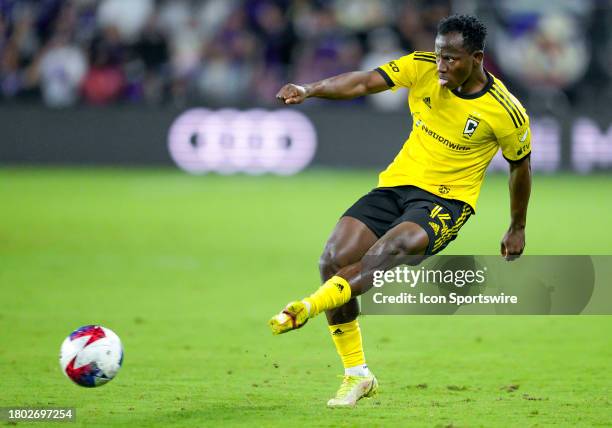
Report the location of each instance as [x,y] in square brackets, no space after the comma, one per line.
[400,73]
[517,144]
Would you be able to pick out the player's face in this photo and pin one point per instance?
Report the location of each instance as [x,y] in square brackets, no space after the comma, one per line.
[455,63]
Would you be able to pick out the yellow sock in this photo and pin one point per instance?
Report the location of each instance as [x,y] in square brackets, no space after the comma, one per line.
[347,338]
[335,292]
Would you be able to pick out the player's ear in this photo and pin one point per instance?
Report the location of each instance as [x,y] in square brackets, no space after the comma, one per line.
[478,57]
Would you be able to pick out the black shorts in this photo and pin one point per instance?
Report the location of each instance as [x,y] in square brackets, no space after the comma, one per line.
[386,207]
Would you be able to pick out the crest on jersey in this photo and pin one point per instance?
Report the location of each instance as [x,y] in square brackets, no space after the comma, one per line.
[470,126]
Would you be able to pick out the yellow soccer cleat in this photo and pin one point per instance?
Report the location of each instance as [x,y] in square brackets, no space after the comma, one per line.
[352,389]
[294,316]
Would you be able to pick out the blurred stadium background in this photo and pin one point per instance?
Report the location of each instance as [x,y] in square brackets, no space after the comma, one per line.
[156,90]
[111,64]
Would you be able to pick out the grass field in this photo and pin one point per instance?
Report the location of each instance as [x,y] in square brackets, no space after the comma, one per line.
[187,270]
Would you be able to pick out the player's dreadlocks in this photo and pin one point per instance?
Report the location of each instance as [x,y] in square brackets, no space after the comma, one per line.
[472,30]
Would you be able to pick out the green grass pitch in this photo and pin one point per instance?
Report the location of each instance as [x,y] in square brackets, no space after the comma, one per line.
[187,270]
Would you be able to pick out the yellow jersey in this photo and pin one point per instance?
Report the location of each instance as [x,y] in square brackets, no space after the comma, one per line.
[454,136]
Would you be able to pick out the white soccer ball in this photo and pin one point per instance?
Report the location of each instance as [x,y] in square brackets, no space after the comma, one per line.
[91,356]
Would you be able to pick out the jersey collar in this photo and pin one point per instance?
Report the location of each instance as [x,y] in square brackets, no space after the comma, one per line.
[478,94]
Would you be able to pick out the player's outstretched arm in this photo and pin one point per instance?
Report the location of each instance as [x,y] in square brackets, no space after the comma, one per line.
[342,87]
[513,243]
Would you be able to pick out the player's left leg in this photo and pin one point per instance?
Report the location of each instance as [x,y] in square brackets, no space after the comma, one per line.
[398,246]
[361,225]
[427,225]
[403,240]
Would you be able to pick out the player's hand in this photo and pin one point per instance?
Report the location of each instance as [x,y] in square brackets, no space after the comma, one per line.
[513,244]
[292,94]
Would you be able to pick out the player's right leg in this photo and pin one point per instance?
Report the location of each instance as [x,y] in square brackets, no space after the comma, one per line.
[405,239]
[348,243]
[360,227]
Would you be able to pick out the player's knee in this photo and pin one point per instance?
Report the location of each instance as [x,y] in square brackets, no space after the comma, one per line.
[328,263]
[332,260]
[411,244]
[403,245]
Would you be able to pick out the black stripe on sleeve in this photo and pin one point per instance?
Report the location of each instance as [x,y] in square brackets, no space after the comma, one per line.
[426,54]
[510,104]
[507,97]
[424,57]
[504,106]
[416,58]
[385,76]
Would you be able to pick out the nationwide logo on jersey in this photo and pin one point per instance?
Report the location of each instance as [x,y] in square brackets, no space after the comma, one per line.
[470,126]
[419,124]
[427,101]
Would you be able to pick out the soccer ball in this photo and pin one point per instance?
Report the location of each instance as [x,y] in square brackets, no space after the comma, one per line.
[91,356]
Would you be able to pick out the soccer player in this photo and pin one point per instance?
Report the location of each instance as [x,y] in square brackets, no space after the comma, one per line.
[461,116]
